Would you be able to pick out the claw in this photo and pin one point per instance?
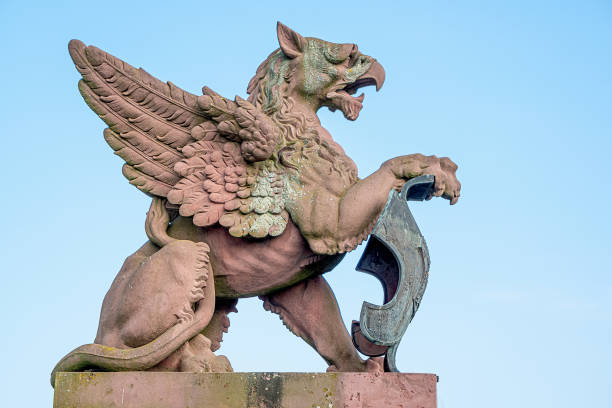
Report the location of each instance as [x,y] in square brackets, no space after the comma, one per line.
[448,164]
[454,198]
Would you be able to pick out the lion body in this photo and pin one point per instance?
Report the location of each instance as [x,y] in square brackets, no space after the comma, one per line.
[245,268]
[268,202]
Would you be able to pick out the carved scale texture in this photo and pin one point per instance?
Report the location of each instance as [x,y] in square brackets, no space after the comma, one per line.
[209,155]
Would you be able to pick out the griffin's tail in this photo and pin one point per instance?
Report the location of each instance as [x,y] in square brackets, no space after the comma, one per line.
[156,224]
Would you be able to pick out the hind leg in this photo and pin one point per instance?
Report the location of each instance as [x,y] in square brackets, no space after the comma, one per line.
[309,309]
[161,289]
[198,357]
[197,354]
[154,294]
[219,323]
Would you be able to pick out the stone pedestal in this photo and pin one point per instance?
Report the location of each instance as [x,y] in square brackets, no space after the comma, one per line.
[239,390]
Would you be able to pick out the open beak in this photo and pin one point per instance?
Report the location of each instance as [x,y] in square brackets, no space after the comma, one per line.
[373,76]
[377,72]
[351,105]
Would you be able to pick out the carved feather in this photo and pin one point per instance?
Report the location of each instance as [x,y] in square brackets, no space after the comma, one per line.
[138,160]
[259,133]
[149,121]
[210,156]
[145,183]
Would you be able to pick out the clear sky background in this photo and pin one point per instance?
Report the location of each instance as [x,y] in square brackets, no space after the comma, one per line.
[519,93]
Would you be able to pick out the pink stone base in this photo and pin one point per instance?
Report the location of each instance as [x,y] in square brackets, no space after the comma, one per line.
[239,390]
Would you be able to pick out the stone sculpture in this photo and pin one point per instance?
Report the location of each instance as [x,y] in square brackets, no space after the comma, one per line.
[249,198]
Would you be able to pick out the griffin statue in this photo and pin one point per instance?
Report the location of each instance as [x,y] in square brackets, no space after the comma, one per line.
[249,198]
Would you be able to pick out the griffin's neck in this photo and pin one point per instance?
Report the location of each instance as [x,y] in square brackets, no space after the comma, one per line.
[308,106]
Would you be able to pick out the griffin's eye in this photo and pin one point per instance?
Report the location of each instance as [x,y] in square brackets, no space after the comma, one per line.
[354,54]
[359,61]
[338,53]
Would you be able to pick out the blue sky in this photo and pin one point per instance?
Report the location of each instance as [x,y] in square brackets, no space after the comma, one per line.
[517,311]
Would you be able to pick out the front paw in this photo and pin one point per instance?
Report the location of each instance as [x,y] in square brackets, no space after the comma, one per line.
[371,365]
[375,365]
[446,184]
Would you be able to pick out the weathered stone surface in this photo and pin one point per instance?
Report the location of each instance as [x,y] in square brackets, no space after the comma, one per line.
[250,197]
[233,390]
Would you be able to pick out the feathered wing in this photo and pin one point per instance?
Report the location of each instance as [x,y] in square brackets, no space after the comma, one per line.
[227,174]
[207,154]
[149,121]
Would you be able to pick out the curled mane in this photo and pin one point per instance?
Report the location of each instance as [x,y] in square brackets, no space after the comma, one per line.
[266,87]
[268,90]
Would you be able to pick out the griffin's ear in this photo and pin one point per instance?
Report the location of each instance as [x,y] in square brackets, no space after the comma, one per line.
[290,42]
